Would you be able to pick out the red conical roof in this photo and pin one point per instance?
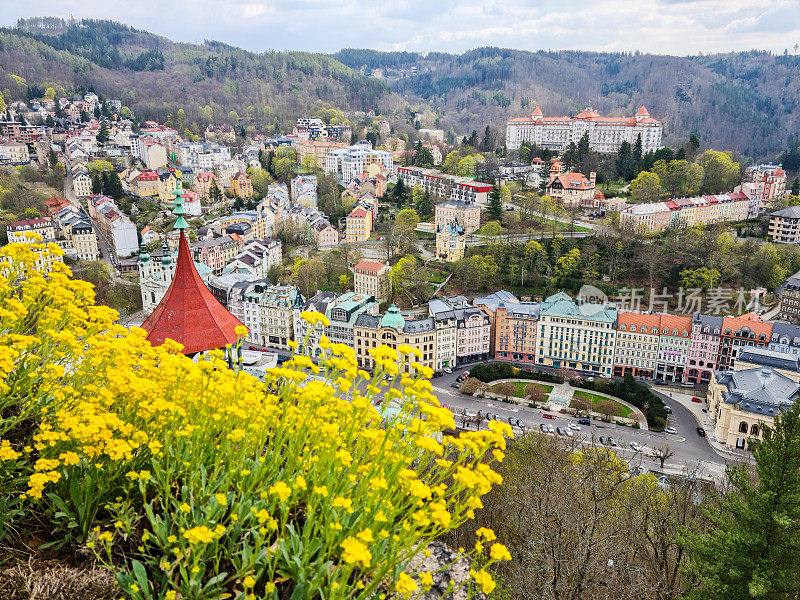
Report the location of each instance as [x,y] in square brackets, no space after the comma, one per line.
[642,112]
[189,313]
[537,112]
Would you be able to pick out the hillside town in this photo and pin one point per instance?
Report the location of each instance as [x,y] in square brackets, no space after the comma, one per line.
[479,316]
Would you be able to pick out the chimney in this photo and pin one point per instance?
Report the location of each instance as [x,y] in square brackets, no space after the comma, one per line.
[592,177]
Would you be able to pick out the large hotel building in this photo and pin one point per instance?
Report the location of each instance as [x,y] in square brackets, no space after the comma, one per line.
[606,134]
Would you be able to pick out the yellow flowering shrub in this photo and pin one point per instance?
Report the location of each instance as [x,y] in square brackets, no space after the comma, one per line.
[211,482]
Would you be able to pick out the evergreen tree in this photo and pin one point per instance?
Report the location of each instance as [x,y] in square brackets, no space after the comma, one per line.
[214,192]
[796,187]
[52,158]
[495,207]
[113,185]
[424,206]
[84,117]
[473,139]
[49,122]
[680,154]
[751,548]
[486,144]
[637,150]
[625,164]
[400,192]
[583,147]
[102,135]
[97,184]
[97,112]
[694,142]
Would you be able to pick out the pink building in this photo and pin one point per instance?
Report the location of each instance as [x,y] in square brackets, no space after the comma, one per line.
[703,348]
[474,333]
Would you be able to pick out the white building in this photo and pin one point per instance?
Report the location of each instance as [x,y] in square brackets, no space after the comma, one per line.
[348,163]
[202,156]
[304,190]
[606,134]
[156,273]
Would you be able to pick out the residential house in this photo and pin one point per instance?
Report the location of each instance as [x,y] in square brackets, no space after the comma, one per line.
[451,242]
[373,279]
[784,225]
[394,330]
[19,231]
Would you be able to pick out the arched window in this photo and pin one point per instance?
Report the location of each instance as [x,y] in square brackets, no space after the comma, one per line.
[754,430]
[743,427]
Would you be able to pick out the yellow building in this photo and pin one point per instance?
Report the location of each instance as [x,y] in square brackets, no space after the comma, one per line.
[451,242]
[168,182]
[393,330]
[241,186]
[359,225]
[317,150]
[145,184]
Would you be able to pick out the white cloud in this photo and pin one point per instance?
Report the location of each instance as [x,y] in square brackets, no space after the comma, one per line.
[677,27]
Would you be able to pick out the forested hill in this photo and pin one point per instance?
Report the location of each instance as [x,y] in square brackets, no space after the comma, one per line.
[746,101]
[155,76]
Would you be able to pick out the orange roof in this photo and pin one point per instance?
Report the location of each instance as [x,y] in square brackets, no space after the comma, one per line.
[537,112]
[751,320]
[676,323]
[642,112]
[649,324]
[599,195]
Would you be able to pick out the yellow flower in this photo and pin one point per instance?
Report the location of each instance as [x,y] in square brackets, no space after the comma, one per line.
[365,535]
[499,552]
[240,330]
[248,582]
[6,452]
[170,595]
[199,535]
[486,533]
[355,552]
[321,490]
[483,579]
[405,585]
[426,579]
[185,508]
[222,499]
[281,490]
[134,588]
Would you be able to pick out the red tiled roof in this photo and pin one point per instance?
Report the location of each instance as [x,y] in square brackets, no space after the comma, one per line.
[677,323]
[642,112]
[366,265]
[537,112]
[189,313]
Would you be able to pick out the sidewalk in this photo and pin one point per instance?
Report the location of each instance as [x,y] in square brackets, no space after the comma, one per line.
[704,420]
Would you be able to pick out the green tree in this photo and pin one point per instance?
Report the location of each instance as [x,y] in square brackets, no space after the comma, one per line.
[750,549]
[568,265]
[646,187]
[102,135]
[424,205]
[214,192]
[406,219]
[450,164]
[702,277]
[720,172]
[283,167]
[466,167]
[495,207]
[796,187]
[400,193]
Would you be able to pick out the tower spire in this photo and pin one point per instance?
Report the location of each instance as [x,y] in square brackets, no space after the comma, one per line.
[179,211]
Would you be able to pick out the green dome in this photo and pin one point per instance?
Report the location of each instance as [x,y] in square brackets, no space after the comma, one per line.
[393,319]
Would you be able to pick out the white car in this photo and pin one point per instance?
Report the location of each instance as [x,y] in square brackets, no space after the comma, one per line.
[671,430]
[551,429]
[448,370]
[574,427]
[635,447]
[568,431]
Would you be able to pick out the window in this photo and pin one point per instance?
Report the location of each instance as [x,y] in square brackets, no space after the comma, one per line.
[754,429]
[743,427]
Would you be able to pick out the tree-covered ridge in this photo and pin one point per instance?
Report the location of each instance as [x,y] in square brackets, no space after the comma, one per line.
[155,76]
[745,101]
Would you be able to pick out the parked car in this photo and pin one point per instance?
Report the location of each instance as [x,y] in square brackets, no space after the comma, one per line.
[448,370]
[590,379]
[437,374]
[574,427]
[455,385]
[671,430]
[543,427]
[612,441]
[696,399]
[465,374]
[635,447]
[490,416]
[602,440]
[584,422]
[660,382]
[569,432]
[560,430]
[701,432]
[551,429]
[687,384]
[520,424]
[668,409]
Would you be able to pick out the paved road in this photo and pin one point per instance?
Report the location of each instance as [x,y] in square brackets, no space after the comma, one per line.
[690,449]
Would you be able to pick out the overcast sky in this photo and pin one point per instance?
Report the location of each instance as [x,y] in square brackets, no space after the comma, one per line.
[678,27]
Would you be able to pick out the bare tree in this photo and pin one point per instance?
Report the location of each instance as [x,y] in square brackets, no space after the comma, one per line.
[662,454]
